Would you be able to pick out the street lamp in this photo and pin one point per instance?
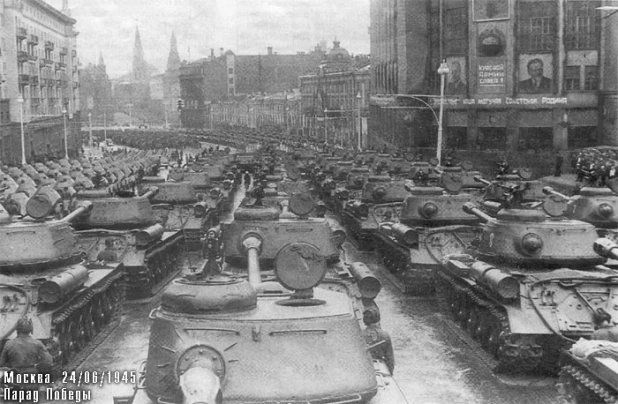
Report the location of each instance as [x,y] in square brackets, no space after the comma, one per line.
[443,70]
[360,122]
[66,147]
[90,125]
[326,126]
[20,100]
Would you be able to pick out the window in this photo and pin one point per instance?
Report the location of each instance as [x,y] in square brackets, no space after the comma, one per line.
[230,70]
[455,29]
[571,78]
[536,30]
[536,138]
[590,77]
[582,136]
[582,24]
[231,80]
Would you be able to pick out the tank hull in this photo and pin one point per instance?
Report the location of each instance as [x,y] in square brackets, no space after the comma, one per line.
[70,326]
[524,330]
[414,264]
[584,381]
[146,269]
[362,229]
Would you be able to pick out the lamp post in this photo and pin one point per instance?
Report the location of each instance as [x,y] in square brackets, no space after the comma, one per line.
[443,70]
[90,125]
[105,127]
[66,147]
[20,100]
[360,122]
[326,126]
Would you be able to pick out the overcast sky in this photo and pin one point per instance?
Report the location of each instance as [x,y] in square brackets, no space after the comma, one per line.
[243,26]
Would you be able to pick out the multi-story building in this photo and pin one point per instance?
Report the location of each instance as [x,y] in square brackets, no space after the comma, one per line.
[335,95]
[522,74]
[218,77]
[40,85]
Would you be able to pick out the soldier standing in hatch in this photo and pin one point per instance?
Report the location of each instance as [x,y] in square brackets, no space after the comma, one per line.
[25,354]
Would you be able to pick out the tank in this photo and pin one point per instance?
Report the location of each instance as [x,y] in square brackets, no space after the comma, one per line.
[380,198]
[71,302]
[123,229]
[182,206]
[533,286]
[430,225]
[597,206]
[589,370]
[271,339]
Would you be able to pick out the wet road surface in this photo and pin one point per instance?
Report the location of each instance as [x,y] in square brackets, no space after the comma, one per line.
[435,361]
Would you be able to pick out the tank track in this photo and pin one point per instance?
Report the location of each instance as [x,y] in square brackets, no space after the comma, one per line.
[486,321]
[81,326]
[418,280]
[579,386]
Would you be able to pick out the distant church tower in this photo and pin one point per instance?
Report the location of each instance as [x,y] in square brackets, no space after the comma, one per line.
[65,8]
[173,60]
[140,70]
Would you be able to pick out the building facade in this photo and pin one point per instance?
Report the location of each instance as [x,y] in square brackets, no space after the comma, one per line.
[40,85]
[217,78]
[334,97]
[522,75]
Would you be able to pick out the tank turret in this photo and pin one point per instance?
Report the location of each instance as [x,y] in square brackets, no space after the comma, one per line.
[528,237]
[265,222]
[598,206]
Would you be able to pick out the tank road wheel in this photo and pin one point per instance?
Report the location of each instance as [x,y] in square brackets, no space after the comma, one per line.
[87,324]
[78,339]
[97,314]
[463,311]
[64,337]
[493,337]
[107,307]
[474,323]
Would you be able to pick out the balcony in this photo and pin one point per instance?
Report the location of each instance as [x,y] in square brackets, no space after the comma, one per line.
[34,80]
[22,56]
[48,62]
[22,33]
[73,53]
[35,102]
[24,79]
[49,45]
[33,58]
[60,65]
[53,100]
[63,51]
[33,39]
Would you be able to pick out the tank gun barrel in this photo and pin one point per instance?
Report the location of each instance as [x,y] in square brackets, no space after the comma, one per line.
[200,385]
[252,244]
[551,191]
[478,178]
[369,285]
[471,209]
[606,248]
[152,191]
[83,208]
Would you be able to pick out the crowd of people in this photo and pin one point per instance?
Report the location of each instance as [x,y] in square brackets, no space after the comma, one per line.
[595,165]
